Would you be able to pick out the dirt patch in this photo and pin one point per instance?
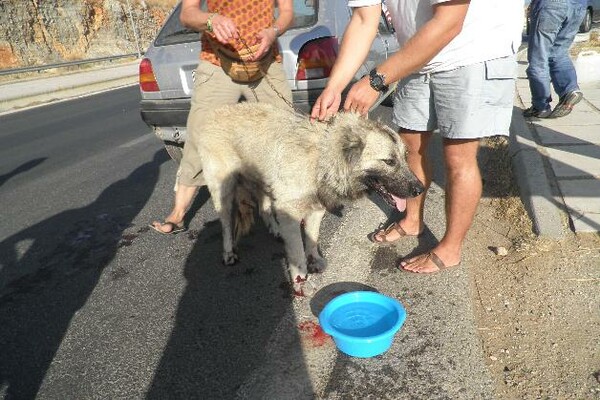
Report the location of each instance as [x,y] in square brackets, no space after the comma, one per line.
[537,301]
[593,44]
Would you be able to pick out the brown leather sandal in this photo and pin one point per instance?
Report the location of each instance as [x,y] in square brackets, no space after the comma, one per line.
[380,237]
[434,259]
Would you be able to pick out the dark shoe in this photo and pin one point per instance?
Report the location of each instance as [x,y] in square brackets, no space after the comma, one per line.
[566,104]
[533,112]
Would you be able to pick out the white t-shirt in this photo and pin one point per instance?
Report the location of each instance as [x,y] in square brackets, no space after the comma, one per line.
[492,29]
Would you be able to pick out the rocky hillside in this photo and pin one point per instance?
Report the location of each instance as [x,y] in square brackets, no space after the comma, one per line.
[39,32]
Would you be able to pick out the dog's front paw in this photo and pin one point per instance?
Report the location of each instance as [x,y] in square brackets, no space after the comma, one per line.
[230,258]
[302,286]
[316,264]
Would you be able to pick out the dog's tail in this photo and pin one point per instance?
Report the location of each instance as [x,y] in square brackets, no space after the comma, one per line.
[244,214]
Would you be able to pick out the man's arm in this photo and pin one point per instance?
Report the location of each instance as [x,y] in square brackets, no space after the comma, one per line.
[445,25]
[355,46]
[194,18]
[286,15]
[268,35]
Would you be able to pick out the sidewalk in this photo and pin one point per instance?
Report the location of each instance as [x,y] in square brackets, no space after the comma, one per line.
[557,162]
[32,91]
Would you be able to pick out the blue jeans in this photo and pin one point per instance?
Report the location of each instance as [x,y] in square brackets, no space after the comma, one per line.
[553,26]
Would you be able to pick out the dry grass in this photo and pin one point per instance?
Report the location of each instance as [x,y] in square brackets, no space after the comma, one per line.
[592,44]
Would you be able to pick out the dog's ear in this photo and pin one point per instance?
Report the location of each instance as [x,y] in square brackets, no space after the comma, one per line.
[352,145]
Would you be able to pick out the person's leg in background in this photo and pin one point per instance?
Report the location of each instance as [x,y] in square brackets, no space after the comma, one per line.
[212,88]
[469,104]
[415,116]
[463,191]
[562,70]
[546,21]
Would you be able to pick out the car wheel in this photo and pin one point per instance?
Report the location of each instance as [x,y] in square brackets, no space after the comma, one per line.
[586,25]
[175,151]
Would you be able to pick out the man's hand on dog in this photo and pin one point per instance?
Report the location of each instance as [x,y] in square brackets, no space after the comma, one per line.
[327,105]
[360,99]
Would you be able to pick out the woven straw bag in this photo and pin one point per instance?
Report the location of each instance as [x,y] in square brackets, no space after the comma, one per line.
[235,64]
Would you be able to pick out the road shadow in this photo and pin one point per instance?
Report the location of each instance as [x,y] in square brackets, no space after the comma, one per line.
[563,176]
[56,274]
[227,318]
[21,169]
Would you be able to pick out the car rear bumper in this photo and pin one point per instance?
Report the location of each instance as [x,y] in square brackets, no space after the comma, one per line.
[168,118]
[172,112]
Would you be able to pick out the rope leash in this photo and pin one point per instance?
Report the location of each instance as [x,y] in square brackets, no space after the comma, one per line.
[265,76]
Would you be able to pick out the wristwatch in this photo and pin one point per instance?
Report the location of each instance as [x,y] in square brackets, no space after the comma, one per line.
[377,81]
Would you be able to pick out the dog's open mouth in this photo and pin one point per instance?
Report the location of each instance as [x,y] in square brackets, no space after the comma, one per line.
[381,190]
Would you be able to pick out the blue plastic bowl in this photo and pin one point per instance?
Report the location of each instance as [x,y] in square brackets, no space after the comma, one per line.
[362,324]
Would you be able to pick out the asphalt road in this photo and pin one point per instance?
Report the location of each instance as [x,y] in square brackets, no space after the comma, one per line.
[94,304]
[81,180]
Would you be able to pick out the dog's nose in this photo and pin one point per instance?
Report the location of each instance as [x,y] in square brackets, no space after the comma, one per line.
[417,189]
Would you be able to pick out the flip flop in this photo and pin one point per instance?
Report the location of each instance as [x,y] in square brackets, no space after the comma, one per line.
[434,259]
[383,241]
[175,229]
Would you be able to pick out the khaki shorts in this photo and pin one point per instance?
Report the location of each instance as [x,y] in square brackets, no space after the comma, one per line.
[213,88]
[470,102]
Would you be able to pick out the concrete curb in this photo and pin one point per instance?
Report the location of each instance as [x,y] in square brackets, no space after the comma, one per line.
[532,180]
[531,173]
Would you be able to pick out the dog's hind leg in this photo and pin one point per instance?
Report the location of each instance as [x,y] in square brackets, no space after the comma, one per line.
[292,236]
[223,195]
[268,216]
[312,226]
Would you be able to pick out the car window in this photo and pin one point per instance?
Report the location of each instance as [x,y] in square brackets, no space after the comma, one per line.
[305,13]
[173,32]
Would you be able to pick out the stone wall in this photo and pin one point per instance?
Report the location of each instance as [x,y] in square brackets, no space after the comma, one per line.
[39,32]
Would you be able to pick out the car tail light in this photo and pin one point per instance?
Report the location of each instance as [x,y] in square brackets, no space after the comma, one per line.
[316,58]
[147,79]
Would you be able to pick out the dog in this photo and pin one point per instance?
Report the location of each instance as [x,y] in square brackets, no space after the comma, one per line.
[294,170]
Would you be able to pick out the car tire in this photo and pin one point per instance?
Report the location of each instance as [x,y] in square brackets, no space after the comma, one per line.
[586,25]
[175,151]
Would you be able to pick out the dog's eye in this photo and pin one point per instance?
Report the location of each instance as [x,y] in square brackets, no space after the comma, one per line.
[390,161]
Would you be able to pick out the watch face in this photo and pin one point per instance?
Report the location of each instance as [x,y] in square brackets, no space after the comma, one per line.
[377,81]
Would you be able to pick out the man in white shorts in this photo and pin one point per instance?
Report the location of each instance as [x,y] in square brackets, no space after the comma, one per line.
[455,71]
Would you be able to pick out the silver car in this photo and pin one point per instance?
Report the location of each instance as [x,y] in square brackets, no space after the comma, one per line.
[309,49]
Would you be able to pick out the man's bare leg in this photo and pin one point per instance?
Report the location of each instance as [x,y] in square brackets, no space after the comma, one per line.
[463,191]
[183,199]
[416,145]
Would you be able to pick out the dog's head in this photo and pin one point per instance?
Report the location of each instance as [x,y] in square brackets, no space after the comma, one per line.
[362,154]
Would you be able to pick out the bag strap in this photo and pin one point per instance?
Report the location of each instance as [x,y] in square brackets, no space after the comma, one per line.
[240,55]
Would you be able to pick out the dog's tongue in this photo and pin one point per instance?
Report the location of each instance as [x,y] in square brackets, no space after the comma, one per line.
[400,203]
